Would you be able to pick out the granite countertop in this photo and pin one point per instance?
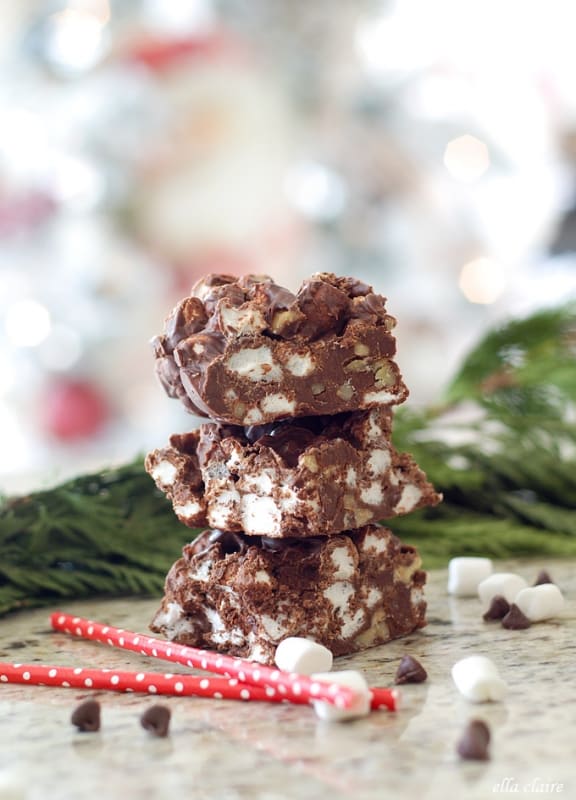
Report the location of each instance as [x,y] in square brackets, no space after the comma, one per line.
[255,751]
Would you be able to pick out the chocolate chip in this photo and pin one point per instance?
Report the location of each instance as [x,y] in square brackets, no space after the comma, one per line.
[324,308]
[515,619]
[474,741]
[543,577]
[187,318]
[156,719]
[499,607]
[289,443]
[86,716]
[229,542]
[410,671]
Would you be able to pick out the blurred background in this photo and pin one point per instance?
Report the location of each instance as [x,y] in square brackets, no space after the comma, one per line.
[425,146]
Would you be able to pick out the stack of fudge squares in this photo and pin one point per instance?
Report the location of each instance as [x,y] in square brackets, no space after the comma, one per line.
[292,474]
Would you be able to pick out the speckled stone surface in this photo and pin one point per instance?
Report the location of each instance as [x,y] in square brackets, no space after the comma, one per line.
[252,751]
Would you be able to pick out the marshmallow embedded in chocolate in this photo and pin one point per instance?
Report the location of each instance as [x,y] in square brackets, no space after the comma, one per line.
[347,592]
[246,351]
[306,477]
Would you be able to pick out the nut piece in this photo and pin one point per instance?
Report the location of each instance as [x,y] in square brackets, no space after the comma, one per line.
[362,516]
[346,392]
[285,323]
[383,375]
[356,365]
[309,461]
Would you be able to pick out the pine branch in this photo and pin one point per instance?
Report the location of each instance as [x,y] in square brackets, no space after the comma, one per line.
[510,488]
[526,367]
[105,534]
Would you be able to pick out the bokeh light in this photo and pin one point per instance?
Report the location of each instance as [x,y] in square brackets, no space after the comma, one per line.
[482,281]
[27,323]
[466,158]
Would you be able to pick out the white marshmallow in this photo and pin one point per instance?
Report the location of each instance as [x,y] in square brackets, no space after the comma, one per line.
[296,654]
[540,602]
[13,785]
[354,680]
[505,583]
[477,678]
[465,573]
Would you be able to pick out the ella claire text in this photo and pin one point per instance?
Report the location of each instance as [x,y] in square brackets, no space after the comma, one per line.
[535,786]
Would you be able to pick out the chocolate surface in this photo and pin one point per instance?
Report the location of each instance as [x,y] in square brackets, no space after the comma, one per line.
[246,351]
[307,477]
[245,594]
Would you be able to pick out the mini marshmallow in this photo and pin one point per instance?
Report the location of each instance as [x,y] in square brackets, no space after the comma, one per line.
[353,679]
[540,602]
[13,785]
[296,654]
[477,678]
[465,573]
[506,584]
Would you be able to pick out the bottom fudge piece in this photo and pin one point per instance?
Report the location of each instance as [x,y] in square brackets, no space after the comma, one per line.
[243,594]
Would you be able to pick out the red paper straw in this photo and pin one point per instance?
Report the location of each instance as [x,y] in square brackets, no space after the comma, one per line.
[152,683]
[143,682]
[294,687]
[384,698]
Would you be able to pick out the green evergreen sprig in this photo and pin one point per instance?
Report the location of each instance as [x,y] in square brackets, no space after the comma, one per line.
[500,446]
[110,533]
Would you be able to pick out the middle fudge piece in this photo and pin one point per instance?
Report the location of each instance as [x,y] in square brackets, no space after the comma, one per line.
[311,476]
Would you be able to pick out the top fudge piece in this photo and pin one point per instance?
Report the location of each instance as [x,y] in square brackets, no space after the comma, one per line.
[245,351]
